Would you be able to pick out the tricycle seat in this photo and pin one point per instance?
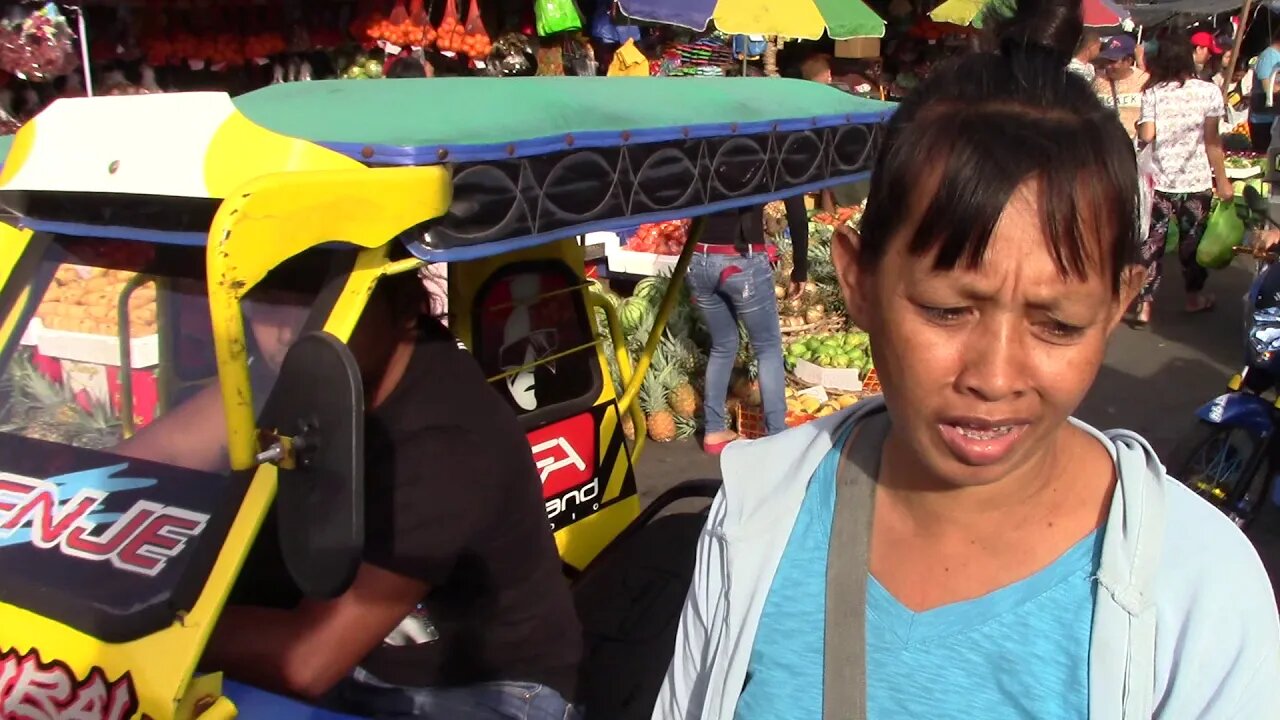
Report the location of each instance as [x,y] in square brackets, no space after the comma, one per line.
[630,601]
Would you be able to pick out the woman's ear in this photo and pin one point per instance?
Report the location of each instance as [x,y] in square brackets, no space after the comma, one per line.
[846,245]
[1132,280]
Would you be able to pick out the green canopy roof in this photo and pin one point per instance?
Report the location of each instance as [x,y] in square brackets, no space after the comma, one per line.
[412,121]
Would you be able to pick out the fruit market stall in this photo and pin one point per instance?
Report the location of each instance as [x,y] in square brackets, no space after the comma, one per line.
[828,361]
[92,356]
[649,250]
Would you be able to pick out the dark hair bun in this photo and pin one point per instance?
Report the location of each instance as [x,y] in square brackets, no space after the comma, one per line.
[1036,27]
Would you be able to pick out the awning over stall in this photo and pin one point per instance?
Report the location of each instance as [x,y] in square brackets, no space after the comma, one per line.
[1154,12]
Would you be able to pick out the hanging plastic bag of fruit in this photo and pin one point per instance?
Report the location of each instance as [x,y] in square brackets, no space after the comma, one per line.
[557,16]
[36,42]
[452,32]
[421,21]
[476,43]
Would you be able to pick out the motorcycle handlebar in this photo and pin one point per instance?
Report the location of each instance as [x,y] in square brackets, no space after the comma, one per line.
[1257,253]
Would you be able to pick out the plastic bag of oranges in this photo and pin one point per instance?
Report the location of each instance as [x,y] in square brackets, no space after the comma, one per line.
[450,35]
[475,41]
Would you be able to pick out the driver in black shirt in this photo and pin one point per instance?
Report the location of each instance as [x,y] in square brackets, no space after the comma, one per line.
[460,609]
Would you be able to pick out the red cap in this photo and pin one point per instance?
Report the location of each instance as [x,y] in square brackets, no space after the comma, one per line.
[1206,40]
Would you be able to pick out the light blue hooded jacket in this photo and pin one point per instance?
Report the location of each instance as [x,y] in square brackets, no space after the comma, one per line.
[1185,624]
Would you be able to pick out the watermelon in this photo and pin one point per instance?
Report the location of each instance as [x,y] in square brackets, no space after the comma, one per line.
[651,290]
[632,314]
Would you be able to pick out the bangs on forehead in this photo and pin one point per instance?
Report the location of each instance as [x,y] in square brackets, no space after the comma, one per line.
[985,159]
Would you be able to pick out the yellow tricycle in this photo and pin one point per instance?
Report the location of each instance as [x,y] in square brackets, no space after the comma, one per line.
[139,234]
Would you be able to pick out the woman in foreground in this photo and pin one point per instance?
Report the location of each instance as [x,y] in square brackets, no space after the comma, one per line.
[1010,562]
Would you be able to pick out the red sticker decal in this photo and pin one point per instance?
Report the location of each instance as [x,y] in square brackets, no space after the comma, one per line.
[565,454]
[34,690]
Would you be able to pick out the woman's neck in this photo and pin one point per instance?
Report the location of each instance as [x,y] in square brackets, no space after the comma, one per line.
[1034,493]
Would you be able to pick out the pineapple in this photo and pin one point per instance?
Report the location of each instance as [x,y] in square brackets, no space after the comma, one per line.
[684,401]
[628,428]
[662,426]
[685,428]
[41,409]
[653,400]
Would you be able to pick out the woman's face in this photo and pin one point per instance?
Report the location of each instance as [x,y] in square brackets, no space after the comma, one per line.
[981,368]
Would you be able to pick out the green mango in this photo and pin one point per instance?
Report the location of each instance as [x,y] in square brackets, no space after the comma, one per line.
[840,361]
[799,350]
[825,360]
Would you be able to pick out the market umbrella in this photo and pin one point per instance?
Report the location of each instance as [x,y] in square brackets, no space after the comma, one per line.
[800,19]
[1097,13]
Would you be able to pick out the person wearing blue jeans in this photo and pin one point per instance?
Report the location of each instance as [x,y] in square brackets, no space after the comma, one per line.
[731,280]
[483,701]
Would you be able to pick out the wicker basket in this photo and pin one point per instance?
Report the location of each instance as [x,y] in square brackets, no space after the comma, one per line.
[828,325]
[750,420]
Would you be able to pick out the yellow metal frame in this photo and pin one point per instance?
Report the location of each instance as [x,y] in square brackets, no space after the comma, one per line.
[277,217]
[13,246]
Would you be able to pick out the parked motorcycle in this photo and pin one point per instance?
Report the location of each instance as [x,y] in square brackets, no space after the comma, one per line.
[1232,455]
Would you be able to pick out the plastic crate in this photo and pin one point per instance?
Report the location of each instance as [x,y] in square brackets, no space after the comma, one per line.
[871,384]
[751,422]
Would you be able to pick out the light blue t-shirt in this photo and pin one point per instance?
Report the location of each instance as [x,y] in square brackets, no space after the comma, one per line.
[1259,113]
[1019,652]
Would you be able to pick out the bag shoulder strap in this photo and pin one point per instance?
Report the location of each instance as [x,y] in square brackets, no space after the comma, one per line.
[844,682]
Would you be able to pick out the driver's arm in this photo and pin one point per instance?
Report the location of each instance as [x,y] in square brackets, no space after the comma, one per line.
[423,522]
[306,651]
[192,435]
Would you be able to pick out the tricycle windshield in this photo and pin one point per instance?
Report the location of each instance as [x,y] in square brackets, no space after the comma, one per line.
[115,349]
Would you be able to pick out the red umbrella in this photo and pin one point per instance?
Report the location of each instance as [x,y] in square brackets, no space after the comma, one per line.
[1103,13]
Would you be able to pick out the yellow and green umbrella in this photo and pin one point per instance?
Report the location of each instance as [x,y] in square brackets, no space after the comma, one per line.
[800,19]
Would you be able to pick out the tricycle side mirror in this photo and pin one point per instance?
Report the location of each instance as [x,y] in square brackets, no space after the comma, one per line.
[315,436]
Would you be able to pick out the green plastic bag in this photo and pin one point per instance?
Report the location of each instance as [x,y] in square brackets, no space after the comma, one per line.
[557,16]
[1224,232]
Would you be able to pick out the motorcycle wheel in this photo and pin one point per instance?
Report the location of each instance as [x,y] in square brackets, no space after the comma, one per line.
[1214,461]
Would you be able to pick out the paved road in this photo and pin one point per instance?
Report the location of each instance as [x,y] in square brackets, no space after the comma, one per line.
[1152,382]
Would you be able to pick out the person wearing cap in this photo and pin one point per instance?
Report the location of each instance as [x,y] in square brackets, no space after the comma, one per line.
[1262,113]
[1204,49]
[1120,82]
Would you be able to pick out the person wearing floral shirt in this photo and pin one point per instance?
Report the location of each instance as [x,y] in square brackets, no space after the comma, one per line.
[1179,116]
